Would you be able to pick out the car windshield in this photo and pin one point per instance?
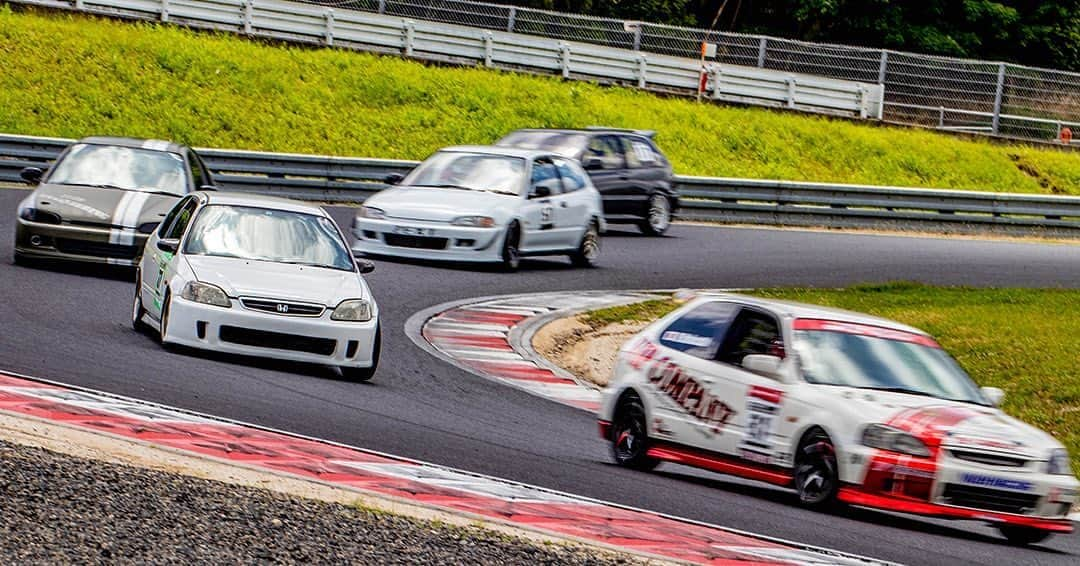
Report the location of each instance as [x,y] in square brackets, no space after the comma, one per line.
[888,361]
[568,145]
[470,172]
[265,234]
[116,167]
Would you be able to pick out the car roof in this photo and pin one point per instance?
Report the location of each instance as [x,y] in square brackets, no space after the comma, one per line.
[509,151]
[592,130]
[260,201]
[138,143]
[804,310]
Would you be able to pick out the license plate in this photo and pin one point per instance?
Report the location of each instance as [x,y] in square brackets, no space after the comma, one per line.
[414,231]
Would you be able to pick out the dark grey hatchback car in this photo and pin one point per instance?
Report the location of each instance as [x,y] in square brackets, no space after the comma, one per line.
[627,168]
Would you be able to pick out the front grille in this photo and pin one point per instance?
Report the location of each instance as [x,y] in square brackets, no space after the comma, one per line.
[417,242]
[989,459]
[989,499]
[277,340]
[98,249]
[282,307]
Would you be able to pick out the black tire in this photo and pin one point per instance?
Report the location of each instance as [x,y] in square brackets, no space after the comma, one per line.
[1023,536]
[511,255]
[137,310]
[817,476]
[657,217]
[630,436]
[365,374]
[589,249]
[22,261]
[164,326]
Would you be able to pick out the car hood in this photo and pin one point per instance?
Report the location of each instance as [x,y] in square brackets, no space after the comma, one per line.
[441,205]
[270,280]
[939,422]
[107,207]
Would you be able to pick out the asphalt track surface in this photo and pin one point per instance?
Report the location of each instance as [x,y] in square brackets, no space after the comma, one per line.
[72,325]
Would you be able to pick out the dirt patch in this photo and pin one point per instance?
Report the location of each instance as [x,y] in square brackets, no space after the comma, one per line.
[583,350]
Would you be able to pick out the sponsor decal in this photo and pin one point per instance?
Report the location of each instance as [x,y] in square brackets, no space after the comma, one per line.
[641,353]
[762,408]
[686,338]
[996,482]
[969,441]
[77,204]
[689,394]
[864,330]
[898,470]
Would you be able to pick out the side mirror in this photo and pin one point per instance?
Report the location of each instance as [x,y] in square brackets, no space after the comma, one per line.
[365,266]
[593,163]
[994,395]
[763,365]
[169,245]
[207,188]
[393,178]
[540,191]
[32,175]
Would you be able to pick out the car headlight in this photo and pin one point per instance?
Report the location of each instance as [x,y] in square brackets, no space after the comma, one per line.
[476,221]
[885,437]
[32,214]
[372,212]
[1058,464]
[205,293]
[353,310]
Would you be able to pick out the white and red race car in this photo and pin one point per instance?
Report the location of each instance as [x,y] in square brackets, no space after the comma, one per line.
[840,406]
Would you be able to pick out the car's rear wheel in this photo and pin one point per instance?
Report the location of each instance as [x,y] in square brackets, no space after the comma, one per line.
[657,217]
[1023,535]
[817,478]
[137,310]
[511,254]
[629,435]
[365,374]
[589,249]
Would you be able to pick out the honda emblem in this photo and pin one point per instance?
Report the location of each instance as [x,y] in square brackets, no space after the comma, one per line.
[282,308]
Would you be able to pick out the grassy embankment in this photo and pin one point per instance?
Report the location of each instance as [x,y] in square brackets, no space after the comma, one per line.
[1023,341]
[72,76]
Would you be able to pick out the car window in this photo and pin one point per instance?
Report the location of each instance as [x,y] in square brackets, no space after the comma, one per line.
[563,143]
[752,332]
[544,174]
[639,153]
[572,177]
[700,330]
[167,222]
[117,167]
[183,218]
[195,172]
[607,149]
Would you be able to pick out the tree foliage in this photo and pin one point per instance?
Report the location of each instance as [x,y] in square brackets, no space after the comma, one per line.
[1035,32]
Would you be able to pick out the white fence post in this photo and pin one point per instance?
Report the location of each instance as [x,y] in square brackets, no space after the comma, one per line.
[642,65]
[763,46]
[564,59]
[410,35]
[249,15]
[791,92]
[882,67]
[382,6]
[329,27]
[79,5]
[862,101]
[489,48]
[165,11]
[998,96]
[511,19]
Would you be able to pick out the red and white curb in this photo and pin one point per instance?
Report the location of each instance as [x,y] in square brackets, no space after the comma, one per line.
[492,337]
[366,471]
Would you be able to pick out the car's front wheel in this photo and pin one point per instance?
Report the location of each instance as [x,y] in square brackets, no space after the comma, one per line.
[163,328]
[511,253]
[817,478]
[629,435]
[589,249]
[1023,535]
[137,310]
[365,374]
[657,216]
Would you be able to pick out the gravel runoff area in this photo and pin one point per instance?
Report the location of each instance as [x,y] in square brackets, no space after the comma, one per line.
[57,508]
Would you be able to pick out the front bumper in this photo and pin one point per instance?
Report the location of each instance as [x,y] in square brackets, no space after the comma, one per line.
[440,240]
[199,325]
[78,243]
[949,487]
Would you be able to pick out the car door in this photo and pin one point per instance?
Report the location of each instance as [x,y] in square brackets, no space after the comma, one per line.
[574,206]
[607,169]
[538,212]
[645,174]
[686,409]
[159,265]
[758,401]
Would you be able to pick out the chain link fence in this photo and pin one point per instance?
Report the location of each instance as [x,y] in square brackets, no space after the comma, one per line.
[980,97]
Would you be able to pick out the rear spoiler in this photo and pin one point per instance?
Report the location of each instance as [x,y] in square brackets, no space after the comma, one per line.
[647,133]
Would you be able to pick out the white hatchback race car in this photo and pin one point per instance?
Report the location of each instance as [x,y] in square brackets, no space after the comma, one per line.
[486,204]
[837,405]
[258,276]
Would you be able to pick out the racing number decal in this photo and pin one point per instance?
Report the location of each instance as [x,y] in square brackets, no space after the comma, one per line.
[762,408]
[545,217]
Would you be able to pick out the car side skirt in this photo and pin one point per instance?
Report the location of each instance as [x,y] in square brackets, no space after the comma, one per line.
[714,462]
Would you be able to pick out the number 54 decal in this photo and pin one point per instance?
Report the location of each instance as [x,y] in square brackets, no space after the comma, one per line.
[546,213]
[762,408]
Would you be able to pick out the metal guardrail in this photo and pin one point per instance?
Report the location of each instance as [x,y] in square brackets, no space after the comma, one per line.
[421,39]
[739,201]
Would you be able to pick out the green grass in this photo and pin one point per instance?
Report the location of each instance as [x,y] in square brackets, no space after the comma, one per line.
[72,76]
[1021,340]
[644,311]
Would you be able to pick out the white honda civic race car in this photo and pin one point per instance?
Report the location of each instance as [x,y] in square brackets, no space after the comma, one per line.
[837,405]
[485,204]
[258,276]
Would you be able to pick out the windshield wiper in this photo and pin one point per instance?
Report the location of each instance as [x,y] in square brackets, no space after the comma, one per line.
[892,389]
[448,186]
[166,193]
[311,264]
